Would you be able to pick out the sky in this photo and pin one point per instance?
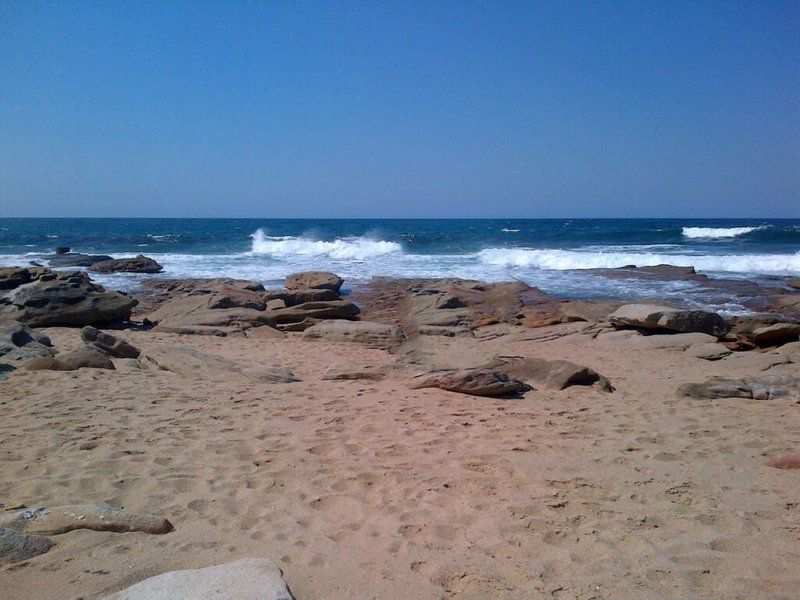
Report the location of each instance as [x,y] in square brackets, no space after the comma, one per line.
[392,109]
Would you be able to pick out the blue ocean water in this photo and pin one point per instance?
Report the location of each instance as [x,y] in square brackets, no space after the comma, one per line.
[550,253]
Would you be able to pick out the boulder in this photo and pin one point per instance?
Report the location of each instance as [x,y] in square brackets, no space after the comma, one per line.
[555,374]
[61,519]
[202,311]
[67,299]
[475,382]
[649,316]
[367,333]
[137,264]
[791,461]
[20,343]
[791,351]
[16,546]
[62,249]
[335,309]
[108,344]
[355,372]
[12,277]
[632,340]
[765,387]
[295,297]
[313,280]
[708,351]
[245,579]
[89,358]
[72,259]
[776,335]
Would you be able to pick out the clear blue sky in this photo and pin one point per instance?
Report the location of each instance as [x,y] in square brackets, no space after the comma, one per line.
[400,109]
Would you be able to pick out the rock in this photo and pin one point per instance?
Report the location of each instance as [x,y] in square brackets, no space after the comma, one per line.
[275,304]
[245,579]
[649,316]
[299,326]
[270,374]
[360,372]
[265,332]
[776,335]
[760,361]
[62,249]
[12,277]
[108,344]
[126,365]
[335,309]
[438,353]
[65,299]
[88,358]
[20,343]
[765,387]
[313,280]
[794,283]
[791,351]
[61,519]
[202,311]
[368,333]
[138,264]
[295,297]
[476,382]
[555,374]
[791,461]
[633,340]
[232,331]
[16,546]
[708,351]
[72,259]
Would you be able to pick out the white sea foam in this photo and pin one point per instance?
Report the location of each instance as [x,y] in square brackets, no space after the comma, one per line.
[774,264]
[716,232]
[504,230]
[350,248]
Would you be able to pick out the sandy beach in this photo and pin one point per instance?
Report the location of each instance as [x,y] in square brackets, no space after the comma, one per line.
[370,489]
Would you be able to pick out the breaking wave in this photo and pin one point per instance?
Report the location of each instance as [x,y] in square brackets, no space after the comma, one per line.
[777,264]
[349,248]
[717,232]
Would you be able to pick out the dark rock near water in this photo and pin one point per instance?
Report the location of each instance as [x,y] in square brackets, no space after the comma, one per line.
[63,249]
[72,259]
[16,546]
[108,344]
[138,264]
[655,317]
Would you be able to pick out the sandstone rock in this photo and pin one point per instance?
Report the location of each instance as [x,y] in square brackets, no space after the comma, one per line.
[791,351]
[20,343]
[138,264]
[16,546]
[477,382]
[299,326]
[61,519]
[223,331]
[555,374]
[708,351]
[794,283]
[88,358]
[335,309]
[446,354]
[633,340]
[649,316]
[12,277]
[765,387]
[72,259]
[295,297]
[777,334]
[265,332]
[358,372]
[200,286]
[109,344]
[67,299]
[275,304]
[270,374]
[245,579]
[368,333]
[760,361]
[791,461]
[310,280]
[202,311]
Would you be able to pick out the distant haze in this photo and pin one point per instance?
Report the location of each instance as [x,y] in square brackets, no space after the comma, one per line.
[400,109]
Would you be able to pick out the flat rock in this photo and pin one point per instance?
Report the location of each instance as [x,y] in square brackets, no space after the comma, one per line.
[708,351]
[75,259]
[367,333]
[203,311]
[137,264]
[776,335]
[649,316]
[629,339]
[313,280]
[791,351]
[61,519]
[555,374]
[16,546]
[355,372]
[475,382]
[82,358]
[333,309]
[765,387]
[760,361]
[300,296]
[222,331]
[245,579]
[265,332]
[108,344]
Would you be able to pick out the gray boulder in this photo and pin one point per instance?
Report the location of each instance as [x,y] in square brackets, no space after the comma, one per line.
[108,344]
[476,382]
[367,333]
[313,280]
[555,374]
[20,343]
[765,387]
[138,264]
[649,316]
[16,546]
[245,579]
[72,259]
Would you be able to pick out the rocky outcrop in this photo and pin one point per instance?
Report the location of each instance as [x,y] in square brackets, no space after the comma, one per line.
[137,264]
[203,311]
[84,358]
[633,340]
[108,344]
[655,317]
[295,297]
[66,299]
[16,546]
[20,343]
[245,579]
[765,387]
[367,333]
[314,280]
[61,519]
[12,277]
[335,309]
[776,335]
[72,259]
[476,382]
[709,351]
[555,374]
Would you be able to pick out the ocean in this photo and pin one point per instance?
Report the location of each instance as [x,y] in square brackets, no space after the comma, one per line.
[552,254]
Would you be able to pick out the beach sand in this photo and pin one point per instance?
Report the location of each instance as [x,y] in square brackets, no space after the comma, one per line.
[369,489]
